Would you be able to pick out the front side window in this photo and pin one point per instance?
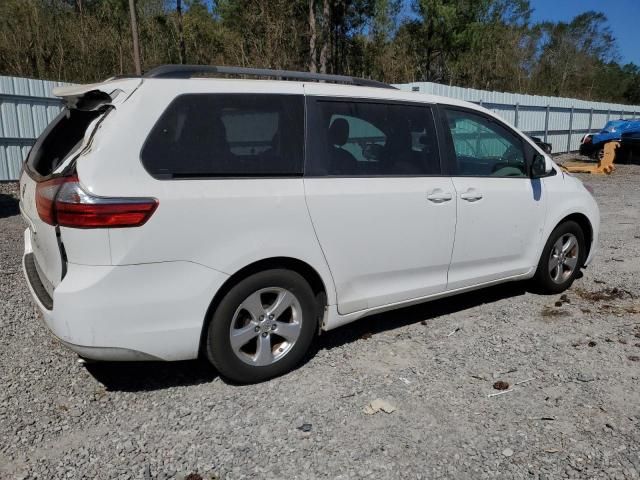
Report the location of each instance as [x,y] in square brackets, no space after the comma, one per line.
[213,135]
[483,147]
[372,139]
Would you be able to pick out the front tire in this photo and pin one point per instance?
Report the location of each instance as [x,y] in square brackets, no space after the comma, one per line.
[263,326]
[561,259]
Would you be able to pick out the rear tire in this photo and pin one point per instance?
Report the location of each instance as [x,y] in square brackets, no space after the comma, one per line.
[561,259]
[263,326]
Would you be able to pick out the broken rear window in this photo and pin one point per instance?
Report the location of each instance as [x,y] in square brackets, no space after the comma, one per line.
[59,139]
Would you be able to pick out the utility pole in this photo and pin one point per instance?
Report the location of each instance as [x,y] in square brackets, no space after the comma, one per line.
[134,34]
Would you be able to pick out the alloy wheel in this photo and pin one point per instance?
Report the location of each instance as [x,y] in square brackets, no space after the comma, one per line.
[563,259]
[266,326]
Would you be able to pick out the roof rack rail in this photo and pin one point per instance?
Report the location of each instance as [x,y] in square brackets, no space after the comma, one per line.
[120,77]
[188,71]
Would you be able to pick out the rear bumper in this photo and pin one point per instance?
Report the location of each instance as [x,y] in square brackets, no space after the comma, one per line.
[38,289]
[151,311]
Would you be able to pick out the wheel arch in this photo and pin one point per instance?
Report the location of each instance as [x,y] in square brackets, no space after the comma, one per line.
[309,273]
[585,224]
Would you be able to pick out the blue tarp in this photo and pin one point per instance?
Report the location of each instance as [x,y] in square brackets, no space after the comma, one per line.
[615,128]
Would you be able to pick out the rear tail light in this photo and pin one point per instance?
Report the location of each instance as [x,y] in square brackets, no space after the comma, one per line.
[62,201]
[45,199]
[589,188]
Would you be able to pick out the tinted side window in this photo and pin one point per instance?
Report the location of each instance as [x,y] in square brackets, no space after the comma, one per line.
[363,139]
[209,135]
[483,147]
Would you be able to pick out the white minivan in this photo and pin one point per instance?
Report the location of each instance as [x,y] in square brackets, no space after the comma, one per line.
[171,217]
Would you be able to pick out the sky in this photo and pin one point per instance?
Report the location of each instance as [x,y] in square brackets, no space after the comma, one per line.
[623,15]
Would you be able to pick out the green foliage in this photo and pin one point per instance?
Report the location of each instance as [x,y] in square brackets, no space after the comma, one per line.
[488,44]
[577,57]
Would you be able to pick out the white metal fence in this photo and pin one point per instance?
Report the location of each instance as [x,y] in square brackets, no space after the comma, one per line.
[559,121]
[27,106]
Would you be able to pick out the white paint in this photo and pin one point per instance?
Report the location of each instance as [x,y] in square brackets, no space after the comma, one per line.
[376,243]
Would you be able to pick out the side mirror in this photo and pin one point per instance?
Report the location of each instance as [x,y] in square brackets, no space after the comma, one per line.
[548,165]
[541,165]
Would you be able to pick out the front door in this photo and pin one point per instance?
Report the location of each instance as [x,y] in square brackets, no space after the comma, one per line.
[500,210]
[384,216]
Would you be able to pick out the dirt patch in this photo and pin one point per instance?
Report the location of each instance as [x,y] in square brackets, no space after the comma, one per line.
[551,312]
[605,294]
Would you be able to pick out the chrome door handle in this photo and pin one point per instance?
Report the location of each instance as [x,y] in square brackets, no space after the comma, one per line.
[471,195]
[439,197]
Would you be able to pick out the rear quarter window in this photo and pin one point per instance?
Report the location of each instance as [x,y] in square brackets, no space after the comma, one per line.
[227,135]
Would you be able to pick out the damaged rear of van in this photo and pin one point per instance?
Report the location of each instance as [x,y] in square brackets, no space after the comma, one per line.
[67,237]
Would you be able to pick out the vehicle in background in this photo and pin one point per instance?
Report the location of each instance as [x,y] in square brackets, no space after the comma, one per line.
[172,218]
[629,147]
[592,144]
[546,147]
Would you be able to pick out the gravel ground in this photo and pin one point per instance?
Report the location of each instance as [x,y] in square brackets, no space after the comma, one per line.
[576,415]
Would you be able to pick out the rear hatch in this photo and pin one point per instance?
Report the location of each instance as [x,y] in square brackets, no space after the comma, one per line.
[52,160]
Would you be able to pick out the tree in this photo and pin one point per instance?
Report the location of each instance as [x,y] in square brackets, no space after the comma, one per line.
[572,54]
[632,90]
[265,34]
[488,44]
[313,66]
[499,47]
[438,35]
[326,35]
[134,34]
[181,45]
